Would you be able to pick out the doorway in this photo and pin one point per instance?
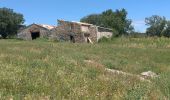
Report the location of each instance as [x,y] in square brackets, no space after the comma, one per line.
[35,35]
[87,39]
[72,39]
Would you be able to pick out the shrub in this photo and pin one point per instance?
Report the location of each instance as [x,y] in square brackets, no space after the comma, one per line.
[104,39]
[115,33]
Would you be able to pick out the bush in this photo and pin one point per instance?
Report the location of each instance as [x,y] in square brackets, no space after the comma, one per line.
[115,33]
[10,21]
[104,39]
[137,35]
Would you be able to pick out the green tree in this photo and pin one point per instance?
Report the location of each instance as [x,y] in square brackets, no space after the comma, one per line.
[95,19]
[156,25]
[117,20]
[166,31]
[9,22]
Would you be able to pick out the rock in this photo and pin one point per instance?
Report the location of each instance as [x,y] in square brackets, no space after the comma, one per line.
[93,63]
[149,74]
[118,72]
[126,74]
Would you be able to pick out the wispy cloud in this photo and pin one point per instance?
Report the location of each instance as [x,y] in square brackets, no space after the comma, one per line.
[26,23]
[139,25]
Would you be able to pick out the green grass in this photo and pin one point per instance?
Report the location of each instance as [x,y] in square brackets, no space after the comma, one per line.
[46,70]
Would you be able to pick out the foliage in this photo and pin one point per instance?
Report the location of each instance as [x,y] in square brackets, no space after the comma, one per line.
[46,70]
[117,20]
[115,33]
[9,22]
[137,35]
[156,25]
[166,31]
[95,19]
[104,39]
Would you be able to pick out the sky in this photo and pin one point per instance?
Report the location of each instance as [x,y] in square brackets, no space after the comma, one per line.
[48,11]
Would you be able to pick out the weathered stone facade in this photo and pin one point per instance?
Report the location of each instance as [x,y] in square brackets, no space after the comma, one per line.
[34,31]
[103,32]
[75,32]
[79,32]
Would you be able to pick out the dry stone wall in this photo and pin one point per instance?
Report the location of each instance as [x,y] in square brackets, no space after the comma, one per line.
[26,33]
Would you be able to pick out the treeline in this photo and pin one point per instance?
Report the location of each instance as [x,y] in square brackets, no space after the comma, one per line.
[10,22]
[158,26]
[121,25]
[117,20]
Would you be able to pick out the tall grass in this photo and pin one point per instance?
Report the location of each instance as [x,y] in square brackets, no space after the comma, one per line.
[47,70]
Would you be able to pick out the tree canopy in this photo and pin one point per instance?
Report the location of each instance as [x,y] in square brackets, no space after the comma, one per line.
[158,26]
[117,20]
[9,22]
[166,31]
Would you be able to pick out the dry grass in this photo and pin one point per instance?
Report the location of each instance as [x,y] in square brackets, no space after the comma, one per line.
[48,70]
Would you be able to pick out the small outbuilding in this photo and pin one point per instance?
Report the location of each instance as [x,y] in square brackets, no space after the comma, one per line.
[35,31]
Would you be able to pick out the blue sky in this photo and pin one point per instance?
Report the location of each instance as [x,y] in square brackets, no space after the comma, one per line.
[48,11]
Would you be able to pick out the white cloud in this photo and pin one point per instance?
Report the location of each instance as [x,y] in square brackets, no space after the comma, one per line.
[139,25]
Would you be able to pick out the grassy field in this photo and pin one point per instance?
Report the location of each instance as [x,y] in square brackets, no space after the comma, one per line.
[48,70]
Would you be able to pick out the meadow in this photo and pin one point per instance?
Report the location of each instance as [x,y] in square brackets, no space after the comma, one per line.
[40,69]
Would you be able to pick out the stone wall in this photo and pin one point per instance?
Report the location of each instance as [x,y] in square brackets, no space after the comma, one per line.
[93,33]
[67,29]
[26,33]
[103,32]
[81,32]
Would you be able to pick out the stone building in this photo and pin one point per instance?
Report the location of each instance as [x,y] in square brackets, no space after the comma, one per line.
[34,31]
[76,32]
[79,32]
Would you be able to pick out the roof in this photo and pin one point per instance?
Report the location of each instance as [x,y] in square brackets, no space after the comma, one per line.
[86,24]
[105,28]
[49,27]
[81,23]
[46,27]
